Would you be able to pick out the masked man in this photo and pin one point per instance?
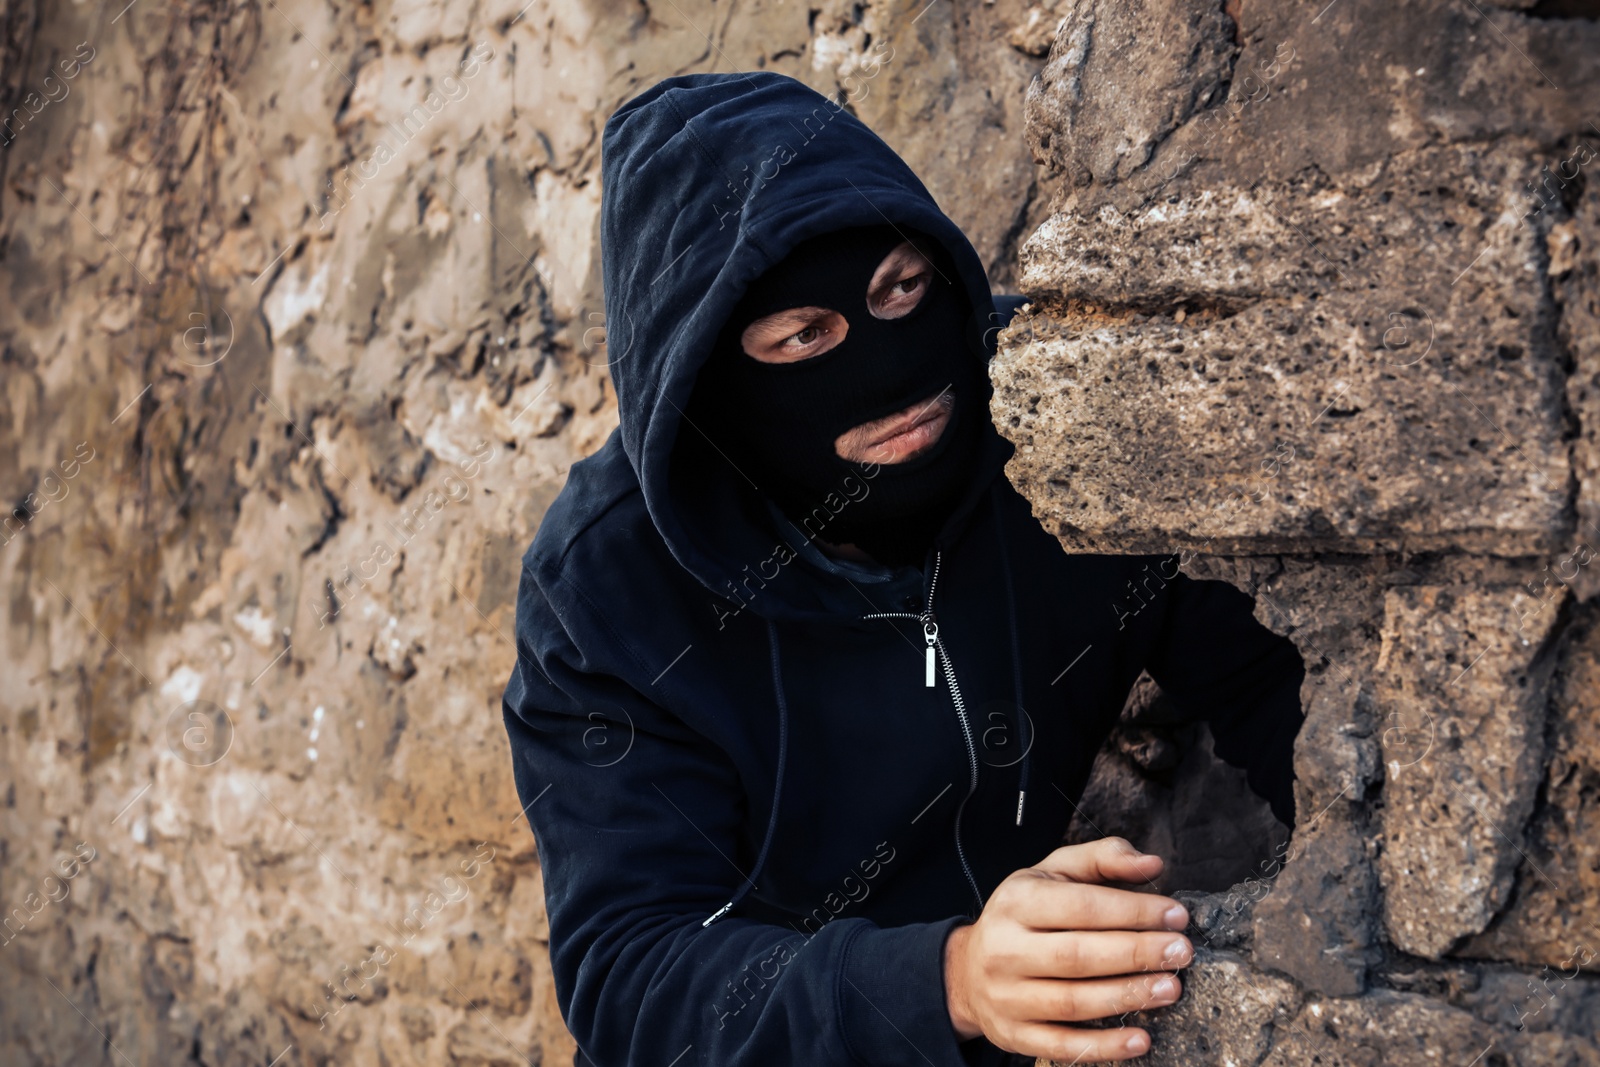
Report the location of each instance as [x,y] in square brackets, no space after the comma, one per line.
[804,694]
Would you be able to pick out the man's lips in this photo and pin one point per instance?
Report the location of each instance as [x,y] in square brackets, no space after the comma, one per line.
[903,434]
[909,419]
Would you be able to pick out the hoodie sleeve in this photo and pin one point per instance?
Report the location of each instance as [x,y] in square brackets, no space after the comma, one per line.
[636,819]
[1218,663]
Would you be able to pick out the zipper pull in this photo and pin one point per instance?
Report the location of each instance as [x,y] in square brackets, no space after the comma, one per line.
[930,634]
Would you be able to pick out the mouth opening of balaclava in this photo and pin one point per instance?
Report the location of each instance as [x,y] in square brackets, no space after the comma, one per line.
[778,422]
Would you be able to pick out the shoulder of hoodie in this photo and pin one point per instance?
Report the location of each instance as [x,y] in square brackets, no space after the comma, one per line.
[598,542]
[601,507]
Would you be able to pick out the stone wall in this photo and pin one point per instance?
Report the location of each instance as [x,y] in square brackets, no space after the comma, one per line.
[1318,305]
[1317,300]
[300,330]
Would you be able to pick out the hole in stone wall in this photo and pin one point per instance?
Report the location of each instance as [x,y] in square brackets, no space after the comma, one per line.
[1157,783]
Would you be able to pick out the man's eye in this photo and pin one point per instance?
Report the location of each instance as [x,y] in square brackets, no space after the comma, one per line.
[804,337]
[819,330]
[900,298]
[909,285]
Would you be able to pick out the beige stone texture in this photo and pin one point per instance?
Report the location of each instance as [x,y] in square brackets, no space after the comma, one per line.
[301,327]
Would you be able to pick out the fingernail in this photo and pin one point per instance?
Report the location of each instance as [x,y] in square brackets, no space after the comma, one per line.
[1136,1043]
[1164,988]
[1176,917]
[1175,951]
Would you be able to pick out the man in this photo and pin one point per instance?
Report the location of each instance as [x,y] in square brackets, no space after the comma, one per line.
[804,694]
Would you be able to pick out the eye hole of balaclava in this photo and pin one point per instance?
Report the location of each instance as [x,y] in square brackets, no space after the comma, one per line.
[779,422]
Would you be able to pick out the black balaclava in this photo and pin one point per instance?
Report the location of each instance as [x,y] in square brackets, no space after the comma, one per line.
[779,422]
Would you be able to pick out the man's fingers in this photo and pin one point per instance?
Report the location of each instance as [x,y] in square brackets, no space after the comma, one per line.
[1102,954]
[1055,1000]
[1049,904]
[1068,1045]
[1110,859]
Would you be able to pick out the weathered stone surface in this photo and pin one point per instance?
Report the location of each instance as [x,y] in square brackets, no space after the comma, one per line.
[1542,1017]
[1384,1030]
[1328,324]
[1226,382]
[1575,273]
[1552,918]
[1315,924]
[1333,297]
[1182,52]
[291,389]
[1462,692]
[1333,90]
[1228,1014]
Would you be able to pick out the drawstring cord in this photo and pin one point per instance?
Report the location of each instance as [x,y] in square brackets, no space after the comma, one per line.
[777,789]
[1016,657]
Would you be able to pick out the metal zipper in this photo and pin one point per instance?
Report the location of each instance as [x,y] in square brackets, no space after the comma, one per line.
[930,634]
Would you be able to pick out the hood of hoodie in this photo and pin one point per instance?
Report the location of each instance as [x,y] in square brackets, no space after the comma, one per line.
[707,181]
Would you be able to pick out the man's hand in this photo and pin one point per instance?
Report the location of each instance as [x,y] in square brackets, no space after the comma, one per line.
[1052,946]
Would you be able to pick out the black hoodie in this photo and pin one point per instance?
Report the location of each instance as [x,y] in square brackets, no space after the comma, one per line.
[765,783]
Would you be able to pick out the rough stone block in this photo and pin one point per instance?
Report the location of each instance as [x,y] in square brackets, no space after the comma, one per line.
[1184,54]
[1574,269]
[1249,370]
[1315,924]
[1227,1014]
[1462,690]
[1385,1030]
[1552,917]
